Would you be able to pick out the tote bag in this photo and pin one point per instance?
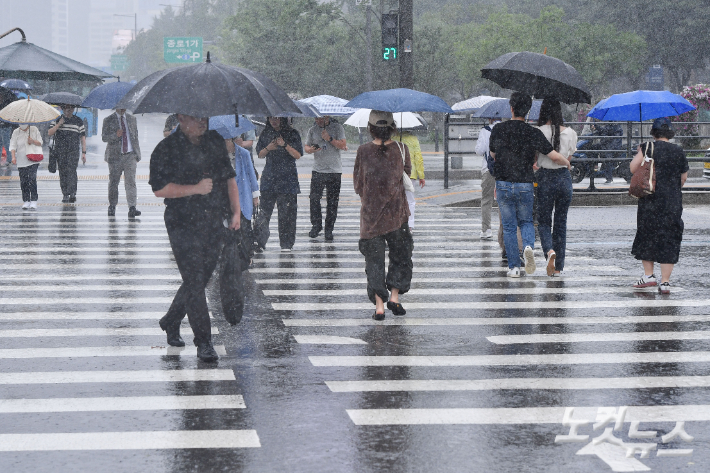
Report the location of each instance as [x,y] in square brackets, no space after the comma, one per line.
[643,182]
[34,153]
[408,186]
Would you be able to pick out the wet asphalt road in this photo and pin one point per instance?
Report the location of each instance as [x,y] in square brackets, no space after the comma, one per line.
[476,377]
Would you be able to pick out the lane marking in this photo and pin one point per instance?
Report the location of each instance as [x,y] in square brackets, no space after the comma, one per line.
[88,352]
[514,360]
[86,332]
[92,287]
[85,300]
[418,269]
[524,415]
[27,266]
[92,277]
[647,382]
[61,315]
[328,340]
[137,376]
[294,258]
[598,337]
[138,403]
[465,291]
[145,440]
[460,321]
[418,280]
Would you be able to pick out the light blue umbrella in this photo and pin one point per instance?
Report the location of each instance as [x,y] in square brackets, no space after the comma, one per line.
[106,96]
[640,105]
[400,100]
[329,105]
[225,125]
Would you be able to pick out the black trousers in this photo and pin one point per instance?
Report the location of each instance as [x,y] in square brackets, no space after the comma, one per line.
[196,242]
[399,272]
[67,173]
[28,182]
[331,183]
[288,211]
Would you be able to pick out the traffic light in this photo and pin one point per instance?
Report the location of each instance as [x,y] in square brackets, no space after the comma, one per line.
[390,36]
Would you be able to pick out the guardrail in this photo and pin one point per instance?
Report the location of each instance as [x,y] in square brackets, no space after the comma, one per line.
[633,133]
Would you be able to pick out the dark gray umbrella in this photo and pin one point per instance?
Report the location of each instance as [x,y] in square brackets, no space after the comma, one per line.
[538,75]
[7,96]
[25,60]
[208,90]
[63,98]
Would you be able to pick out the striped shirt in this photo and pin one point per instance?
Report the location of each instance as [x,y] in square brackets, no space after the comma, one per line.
[67,139]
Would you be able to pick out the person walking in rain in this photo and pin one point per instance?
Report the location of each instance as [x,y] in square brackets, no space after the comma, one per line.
[325,140]
[488,182]
[281,146]
[248,189]
[120,132]
[378,180]
[191,170]
[513,146]
[69,144]
[24,139]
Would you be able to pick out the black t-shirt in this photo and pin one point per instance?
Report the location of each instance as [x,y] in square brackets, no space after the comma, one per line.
[67,139]
[515,143]
[176,160]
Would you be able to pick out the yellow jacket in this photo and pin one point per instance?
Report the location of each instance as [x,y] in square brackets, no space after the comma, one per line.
[415,153]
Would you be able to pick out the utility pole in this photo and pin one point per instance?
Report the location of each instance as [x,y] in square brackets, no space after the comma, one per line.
[406,41]
[368,49]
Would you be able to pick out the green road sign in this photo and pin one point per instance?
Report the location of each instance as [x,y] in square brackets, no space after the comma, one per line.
[119,62]
[182,49]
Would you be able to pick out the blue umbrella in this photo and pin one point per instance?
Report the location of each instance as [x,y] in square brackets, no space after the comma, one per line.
[107,96]
[400,100]
[500,109]
[15,84]
[225,126]
[640,105]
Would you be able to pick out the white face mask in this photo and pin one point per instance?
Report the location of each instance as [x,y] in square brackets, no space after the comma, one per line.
[25,128]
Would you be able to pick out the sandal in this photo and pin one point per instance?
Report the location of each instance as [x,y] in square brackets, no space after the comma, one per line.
[377,316]
[396,308]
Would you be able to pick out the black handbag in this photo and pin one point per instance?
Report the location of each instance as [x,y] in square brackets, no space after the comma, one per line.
[52,163]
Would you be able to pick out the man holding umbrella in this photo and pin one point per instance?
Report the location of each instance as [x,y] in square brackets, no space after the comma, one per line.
[70,132]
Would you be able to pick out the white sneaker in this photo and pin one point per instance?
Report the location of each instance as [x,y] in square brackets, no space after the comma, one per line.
[33,205]
[646,282]
[487,235]
[25,206]
[514,273]
[529,258]
[285,250]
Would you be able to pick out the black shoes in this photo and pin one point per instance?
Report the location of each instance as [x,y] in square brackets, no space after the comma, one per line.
[206,352]
[328,236]
[396,308]
[72,198]
[66,199]
[133,212]
[173,333]
[111,211]
[377,316]
[258,249]
[314,232]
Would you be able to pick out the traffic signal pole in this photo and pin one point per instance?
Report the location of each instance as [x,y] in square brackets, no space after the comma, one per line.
[406,40]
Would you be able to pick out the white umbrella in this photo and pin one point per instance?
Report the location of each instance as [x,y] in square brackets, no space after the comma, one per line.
[403,119]
[28,112]
[329,105]
[473,103]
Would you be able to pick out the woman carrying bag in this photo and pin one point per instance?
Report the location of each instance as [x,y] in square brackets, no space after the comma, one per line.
[659,220]
[381,167]
[26,149]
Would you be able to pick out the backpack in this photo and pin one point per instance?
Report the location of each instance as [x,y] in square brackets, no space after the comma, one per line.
[490,162]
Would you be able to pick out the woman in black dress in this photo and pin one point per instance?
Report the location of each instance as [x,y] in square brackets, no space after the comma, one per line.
[658,220]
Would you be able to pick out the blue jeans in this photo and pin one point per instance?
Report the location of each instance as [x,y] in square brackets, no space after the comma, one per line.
[515,203]
[554,192]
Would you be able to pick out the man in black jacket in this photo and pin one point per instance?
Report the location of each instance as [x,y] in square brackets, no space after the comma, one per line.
[191,170]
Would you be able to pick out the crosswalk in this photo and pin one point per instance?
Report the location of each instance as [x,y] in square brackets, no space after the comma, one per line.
[83,363]
[585,340]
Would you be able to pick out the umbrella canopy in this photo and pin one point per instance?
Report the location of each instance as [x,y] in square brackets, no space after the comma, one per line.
[28,112]
[329,105]
[25,60]
[7,96]
[403,119]
[208,90]
[225,126]
[640,105]
[474,103]
[63,98]
[538,75]
[400,100]
[15,84]
[106,96]
[306,110]
[500,109]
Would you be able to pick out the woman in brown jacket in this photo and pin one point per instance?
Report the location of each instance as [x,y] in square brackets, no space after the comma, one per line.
[378,179]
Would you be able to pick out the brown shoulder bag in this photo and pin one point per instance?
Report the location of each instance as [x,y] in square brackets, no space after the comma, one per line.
[643,182]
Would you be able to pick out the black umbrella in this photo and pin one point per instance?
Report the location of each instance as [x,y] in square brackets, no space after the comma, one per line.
[63,98]
[538,75]
[25,60]
[7,96]
[208,90]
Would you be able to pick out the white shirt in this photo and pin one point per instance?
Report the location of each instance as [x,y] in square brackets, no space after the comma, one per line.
[128,133]
[482,145]
[18,144]
[568,146]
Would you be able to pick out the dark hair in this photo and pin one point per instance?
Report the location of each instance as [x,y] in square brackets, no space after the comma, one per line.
[520,103]
[664,132]
[284,123]
[383,133]
[551,111]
